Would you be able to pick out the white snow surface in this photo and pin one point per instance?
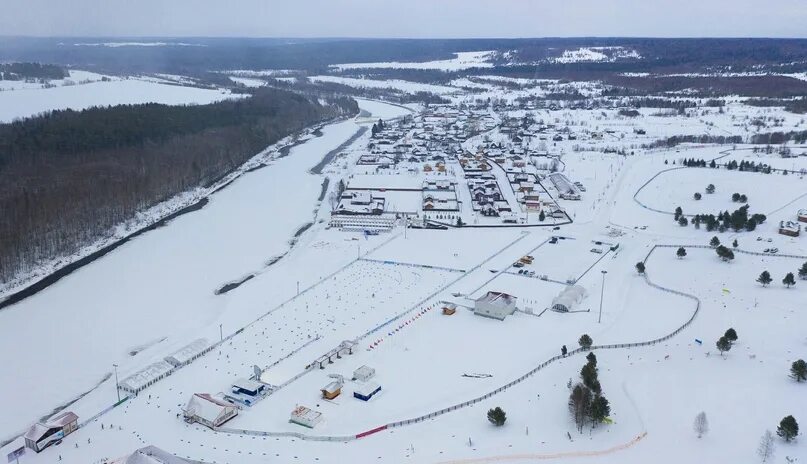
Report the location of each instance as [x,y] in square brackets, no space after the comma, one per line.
[30,102]
[462,60]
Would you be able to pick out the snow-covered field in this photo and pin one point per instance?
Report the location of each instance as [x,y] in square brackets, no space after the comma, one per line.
[462,60]
[385,292]
[406,86]
[26,102]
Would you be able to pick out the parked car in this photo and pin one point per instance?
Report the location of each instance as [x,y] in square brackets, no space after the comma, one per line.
[774,250]
[766,250]
[596,250]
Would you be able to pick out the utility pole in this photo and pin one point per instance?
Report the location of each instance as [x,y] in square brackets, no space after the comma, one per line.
[117,386]
[298,288]
[602,292]
[221,333]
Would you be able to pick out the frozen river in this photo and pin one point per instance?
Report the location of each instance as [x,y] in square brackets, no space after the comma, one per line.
[157,291]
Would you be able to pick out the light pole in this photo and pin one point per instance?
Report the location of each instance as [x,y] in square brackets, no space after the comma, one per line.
[602,292]
[117,386]
[221,333]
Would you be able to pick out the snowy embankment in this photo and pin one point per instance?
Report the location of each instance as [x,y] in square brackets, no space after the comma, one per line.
[160,286]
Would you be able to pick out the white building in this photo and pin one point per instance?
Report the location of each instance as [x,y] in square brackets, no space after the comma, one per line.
[144,378]
[208,411]
[152,455]
[305,416]
[496,305]
[364,373]
[188,353]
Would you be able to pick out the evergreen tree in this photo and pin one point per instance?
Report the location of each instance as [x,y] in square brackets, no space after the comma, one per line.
[701,424]
[682,252]
[678,213]
[683,221]
[589,375]
[697,196]
[788,428]
[766,446]
[715,242]
[600,409]
[585,341]
[735,197]
[765,278]
[723,344]
[731,335]
[798,370]
[591,358]
[734,244]
[789,280]
[497,416]
[580,405]
[803,271]
[710,189]
[640,267]
[542,216]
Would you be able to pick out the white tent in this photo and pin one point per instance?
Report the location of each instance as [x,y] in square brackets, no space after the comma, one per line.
[568,298]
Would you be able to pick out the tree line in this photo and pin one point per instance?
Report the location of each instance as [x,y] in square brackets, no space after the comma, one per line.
[23,71]
[68,178]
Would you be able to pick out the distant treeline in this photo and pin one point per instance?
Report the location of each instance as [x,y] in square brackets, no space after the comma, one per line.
[798,105]
[67,178]
[22,71]
[670,142]
[773,138]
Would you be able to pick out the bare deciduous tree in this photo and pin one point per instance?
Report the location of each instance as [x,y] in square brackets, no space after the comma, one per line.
[766,446]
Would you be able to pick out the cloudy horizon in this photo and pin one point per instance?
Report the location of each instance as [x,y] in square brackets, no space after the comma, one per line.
[405,19]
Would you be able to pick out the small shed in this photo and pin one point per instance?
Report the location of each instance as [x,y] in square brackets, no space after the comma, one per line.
[306,417]
[208,411]
[364,373]
[332,390]
[568,298]
[365,391]
[449,309]
[43,434]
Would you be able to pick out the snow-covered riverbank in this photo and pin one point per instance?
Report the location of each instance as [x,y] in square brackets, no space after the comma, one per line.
[158,288]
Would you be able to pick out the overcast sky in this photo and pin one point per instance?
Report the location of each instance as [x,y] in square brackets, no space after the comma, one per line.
[405,18]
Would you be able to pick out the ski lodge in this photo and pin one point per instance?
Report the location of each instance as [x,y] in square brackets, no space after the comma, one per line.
[43,434]
[208,411]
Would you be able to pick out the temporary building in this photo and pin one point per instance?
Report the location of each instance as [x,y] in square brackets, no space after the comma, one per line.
[568,298]
[43,434]
[153,455]
[208,411]
[188,353]
[248,387]
[365,391]
[305,416]
[144,378]
[364,373]
[496,305]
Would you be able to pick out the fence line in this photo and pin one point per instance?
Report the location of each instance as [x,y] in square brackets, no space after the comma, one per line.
[512,383]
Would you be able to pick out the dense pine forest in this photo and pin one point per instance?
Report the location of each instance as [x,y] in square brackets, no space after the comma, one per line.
[67,178]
